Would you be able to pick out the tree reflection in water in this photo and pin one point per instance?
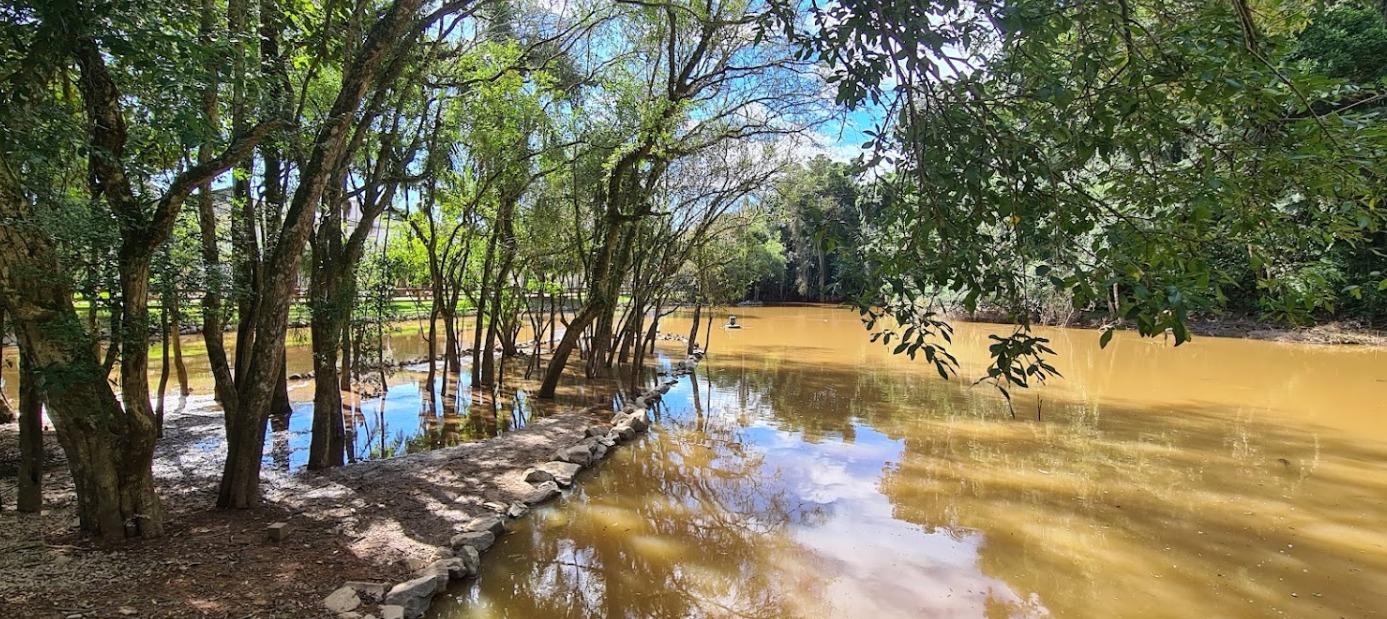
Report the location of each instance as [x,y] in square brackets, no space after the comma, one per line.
[826,479]
[723,513]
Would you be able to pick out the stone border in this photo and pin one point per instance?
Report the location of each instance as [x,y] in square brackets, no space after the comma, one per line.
[412,598]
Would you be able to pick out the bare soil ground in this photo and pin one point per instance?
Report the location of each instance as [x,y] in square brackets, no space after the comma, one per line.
[369,521]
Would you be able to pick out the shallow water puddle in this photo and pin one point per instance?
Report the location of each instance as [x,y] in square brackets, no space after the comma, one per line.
[805,472]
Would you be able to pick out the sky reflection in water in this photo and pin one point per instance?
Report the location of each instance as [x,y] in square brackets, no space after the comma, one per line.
[727,513]
[805,472]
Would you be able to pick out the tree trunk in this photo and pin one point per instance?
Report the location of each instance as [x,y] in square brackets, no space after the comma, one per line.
[327,445]
[645,345]
[600,301]
[553,316]
[708,329]
[565,348]
[349,355]
[163,370]
[479,354]
[822,274]
[7,413]
[109,449]
[280,405]
[330,300]
[628,326]
[431,381]
[30,439]
[452,361]
[494,324]
[176,326]
[504,240]
[693,332]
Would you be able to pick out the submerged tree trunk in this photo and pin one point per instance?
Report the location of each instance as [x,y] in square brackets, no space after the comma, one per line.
[565,347]
[484,309]
[507,249]
[452,359]
[330,300]
[604,282]
[431,381]
[693,331]
[708,330]
[280,405]
[327,445]
[344,378]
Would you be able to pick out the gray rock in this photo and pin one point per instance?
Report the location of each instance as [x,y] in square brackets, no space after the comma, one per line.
[640,421]
[342,600]
[350,615]
[546,491]
[616,438]
[518,510]
[577,454]
[392,612]
[598,430]
[606,441]
[452,568]
[372,590]
[481,540]
[471,560]
[562,472]
[415,596]
[495,506]
[599,450]
[625,431]
[596,447]
[538,476]
[486,523]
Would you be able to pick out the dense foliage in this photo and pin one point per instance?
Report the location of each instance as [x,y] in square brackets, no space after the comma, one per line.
[1148,159]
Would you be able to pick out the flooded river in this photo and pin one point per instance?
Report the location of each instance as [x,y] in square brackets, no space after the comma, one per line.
[805,472]
[392,424]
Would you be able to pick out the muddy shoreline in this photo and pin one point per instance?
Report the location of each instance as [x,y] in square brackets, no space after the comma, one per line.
[1333,333]
[1327,334]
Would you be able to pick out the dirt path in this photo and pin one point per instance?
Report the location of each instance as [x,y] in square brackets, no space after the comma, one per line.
[369,521]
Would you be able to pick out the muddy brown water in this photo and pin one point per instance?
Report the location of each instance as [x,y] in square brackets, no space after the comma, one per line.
[805,472]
